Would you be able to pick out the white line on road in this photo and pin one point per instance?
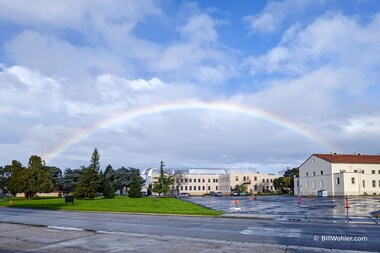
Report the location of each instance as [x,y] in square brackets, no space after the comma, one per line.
[66,228]
[276,232]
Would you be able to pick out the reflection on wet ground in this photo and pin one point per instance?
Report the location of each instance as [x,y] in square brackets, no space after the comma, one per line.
[288,205]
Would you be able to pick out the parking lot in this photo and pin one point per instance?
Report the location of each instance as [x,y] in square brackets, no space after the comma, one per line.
[288,205]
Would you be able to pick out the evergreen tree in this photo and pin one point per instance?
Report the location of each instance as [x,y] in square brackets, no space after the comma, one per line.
[135,186]
[163,183]
[15,183]
[109,190]
[90,179]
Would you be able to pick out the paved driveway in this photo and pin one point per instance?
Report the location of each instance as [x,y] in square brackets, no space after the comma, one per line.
[287,205]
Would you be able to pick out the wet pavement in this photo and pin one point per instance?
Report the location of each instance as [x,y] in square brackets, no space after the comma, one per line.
[361,209]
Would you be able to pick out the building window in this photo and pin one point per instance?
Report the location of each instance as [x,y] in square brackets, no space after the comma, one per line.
[355,171]
[337,180]
[263,180]
[244,178]
[352,180]
[271,180]
[313,173]
[185,180]
[237,178]
[209,187]
[181,188]
[199,180]
[216,180]
[203,180]
[307,174]
[373,172]
[199,188]
[363,183]
[216,188]
[209,180]
[378,172]
[190,180]
[321,172]
[267,180]
[256,186]
[255,178]
[185,188]
[190,188]
[181,180]
[203,188]
[271,188]
[373,183]
[362,171]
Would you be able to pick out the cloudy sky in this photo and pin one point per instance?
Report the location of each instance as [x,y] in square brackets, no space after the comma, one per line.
[260,84]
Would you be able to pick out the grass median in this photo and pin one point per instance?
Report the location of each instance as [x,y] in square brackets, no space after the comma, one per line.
[117,204]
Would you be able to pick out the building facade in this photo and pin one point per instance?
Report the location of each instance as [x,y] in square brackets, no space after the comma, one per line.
[339,175]
[203,181]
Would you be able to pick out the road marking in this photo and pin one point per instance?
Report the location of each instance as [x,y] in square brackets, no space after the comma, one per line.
[273,232]
[66,228]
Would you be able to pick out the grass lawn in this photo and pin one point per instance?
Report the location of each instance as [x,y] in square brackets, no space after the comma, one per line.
[117,204]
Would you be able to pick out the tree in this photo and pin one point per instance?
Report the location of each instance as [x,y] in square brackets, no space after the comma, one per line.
[242,188]
[109,190]
[16,182]
[163,183]
[135,185]
[36,178]
[89,180]
[70,179]
[286,183]
[5,176]
[121,178]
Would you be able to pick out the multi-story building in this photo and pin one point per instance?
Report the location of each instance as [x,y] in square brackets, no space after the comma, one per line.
[339,175]
[204,181]
[254,181]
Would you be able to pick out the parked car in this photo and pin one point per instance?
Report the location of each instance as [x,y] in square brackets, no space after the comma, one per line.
[234,194]
[212,194]
[184,195]
[219,194]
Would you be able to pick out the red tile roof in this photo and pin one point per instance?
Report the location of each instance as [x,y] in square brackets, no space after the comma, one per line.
[338,158]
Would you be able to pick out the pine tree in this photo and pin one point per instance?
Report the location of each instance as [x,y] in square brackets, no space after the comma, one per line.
[90,179]
[109,190]
[135,186]
[163,183]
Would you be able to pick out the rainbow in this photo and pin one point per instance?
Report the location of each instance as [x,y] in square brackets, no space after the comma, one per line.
[187,105]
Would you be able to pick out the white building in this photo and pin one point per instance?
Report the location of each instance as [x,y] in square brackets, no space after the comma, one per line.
[203,181]
[339,175]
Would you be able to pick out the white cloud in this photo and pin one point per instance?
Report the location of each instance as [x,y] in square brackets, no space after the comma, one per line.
[331,40]
[200,29]
[275,13]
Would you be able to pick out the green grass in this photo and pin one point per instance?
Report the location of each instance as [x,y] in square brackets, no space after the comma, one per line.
[117,204]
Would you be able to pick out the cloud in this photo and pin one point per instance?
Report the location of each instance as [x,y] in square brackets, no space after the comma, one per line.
[271,19]
[333,39]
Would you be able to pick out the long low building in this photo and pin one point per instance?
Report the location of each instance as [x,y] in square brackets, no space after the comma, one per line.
[203,181]
[339,175]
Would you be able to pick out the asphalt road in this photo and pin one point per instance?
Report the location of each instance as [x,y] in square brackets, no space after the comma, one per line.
[282,235]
